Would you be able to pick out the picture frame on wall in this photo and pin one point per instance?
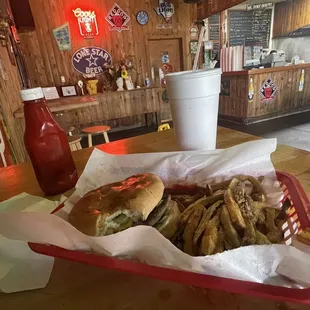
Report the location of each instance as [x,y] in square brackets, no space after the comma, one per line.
[68,91]
[193,45]
[50,93]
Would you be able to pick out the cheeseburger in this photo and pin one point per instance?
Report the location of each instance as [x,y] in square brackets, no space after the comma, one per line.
[138,200]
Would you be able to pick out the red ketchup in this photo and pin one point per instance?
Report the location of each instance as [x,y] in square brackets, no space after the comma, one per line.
[47,145]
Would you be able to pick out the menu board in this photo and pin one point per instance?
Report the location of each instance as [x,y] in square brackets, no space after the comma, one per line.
[214,27]
[250,28]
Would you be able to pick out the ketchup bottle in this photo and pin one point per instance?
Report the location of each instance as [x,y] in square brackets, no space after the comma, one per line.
[47,145]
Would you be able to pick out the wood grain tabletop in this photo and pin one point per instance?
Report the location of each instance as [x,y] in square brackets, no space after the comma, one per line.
[76,286]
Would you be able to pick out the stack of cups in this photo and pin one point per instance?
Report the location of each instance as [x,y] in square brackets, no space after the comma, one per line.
[194,99]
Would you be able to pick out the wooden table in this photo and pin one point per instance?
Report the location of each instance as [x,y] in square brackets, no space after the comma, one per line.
[75,286]
[115,109]
[65,104]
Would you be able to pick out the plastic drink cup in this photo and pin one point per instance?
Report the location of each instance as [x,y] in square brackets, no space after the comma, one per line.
[194,99]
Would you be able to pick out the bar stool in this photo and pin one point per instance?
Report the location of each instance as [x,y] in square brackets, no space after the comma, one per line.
[164,127]
[97,129]
[75,143]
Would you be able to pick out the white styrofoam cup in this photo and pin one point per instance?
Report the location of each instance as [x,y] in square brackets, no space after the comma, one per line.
[194,100]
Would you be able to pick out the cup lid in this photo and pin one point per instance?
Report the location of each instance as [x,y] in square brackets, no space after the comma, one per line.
[31,94]
[185,75]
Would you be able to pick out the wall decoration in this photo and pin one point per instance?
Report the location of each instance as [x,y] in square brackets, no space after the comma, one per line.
[87,23]
[165,9]
[62,37]
[68,91]
[251,91]
[142,18]
[165,58]
[50,93]
[117,18]
[91,60]
[91,86]
[5,22]
[225,88]
[163,71]
[120,84]
[124,73]
[302,80]
[268,91]
[193,46]
[164,96]
[193,32]
[81,86]
[129,84]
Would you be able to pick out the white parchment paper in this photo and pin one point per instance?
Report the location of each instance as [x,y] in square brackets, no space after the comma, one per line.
[253,263]
[20,268]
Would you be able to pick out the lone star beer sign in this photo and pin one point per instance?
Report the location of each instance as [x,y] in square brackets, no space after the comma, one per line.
[87,23]
[117,18]
[165,9]
[91,60]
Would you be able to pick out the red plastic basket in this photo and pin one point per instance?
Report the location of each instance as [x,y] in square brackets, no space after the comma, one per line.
[300,218]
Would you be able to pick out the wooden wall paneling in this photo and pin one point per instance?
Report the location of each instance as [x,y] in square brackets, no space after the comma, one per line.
[9,102]
[296,96]
[51,14]
[59,18]
[46,63]
[306,90]
[211,7]
[45,42]
[55,56]
[288,98]
[140,40]
[290,16]
[34,61]
[236,104]
[117,109]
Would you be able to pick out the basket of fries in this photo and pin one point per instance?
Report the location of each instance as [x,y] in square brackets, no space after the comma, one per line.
[236,220]
[281,226]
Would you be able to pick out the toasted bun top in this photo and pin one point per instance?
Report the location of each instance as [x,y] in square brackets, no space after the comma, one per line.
[135,197]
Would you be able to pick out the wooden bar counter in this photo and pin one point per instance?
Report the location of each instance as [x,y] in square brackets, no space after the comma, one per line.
[238,106]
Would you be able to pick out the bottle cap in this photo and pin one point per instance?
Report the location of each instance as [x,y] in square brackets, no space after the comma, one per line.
[31,94]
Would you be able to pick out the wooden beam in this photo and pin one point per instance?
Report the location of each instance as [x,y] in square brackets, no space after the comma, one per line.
[211,7]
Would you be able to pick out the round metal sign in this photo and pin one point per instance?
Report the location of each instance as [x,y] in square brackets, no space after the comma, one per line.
[91,60]
[142,18]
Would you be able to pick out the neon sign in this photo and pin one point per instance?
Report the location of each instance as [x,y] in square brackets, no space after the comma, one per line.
[87,23]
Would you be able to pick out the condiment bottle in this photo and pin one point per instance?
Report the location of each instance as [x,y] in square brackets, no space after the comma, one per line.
[147,81]
[47,145]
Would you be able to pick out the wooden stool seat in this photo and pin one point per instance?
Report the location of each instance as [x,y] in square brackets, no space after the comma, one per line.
[94,130]
[75,143]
